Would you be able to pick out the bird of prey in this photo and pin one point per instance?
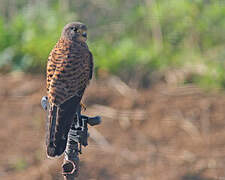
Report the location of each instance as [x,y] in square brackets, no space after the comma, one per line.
[69,70]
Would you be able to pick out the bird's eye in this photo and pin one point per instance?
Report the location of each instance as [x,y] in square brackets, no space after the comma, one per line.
[74,29]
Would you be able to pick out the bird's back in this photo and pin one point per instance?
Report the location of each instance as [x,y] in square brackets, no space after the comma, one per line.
[69,70]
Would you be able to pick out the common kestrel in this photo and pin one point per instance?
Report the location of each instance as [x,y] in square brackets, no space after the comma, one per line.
[69,70]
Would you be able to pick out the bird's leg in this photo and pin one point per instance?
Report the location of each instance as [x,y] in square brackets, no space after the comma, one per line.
[83,107]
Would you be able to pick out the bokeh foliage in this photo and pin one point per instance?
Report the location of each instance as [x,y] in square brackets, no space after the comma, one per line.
[127,38]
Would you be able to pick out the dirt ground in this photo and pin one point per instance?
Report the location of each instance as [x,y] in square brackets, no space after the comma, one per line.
[161,133]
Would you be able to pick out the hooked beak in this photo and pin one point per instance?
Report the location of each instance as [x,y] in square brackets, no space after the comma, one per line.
[84,34]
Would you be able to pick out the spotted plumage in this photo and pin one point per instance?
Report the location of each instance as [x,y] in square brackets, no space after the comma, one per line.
[69,70]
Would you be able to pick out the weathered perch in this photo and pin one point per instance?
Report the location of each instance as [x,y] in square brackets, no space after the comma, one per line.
[77,138]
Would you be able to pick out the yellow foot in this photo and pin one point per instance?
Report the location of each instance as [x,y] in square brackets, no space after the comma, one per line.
[83,107]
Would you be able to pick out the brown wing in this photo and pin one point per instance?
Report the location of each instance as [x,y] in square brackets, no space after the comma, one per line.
[50,69]
[68,73]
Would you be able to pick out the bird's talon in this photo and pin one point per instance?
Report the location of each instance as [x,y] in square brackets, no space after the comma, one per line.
[83,107]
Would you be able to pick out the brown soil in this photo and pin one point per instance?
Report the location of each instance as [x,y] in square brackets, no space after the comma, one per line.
[155,134]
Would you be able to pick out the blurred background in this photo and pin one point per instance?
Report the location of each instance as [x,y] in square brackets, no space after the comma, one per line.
[159,87]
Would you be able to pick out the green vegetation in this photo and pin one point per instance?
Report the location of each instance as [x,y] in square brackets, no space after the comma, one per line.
[125,36]
[19,164]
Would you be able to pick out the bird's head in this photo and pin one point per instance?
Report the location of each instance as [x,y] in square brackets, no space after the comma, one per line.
[75,31]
